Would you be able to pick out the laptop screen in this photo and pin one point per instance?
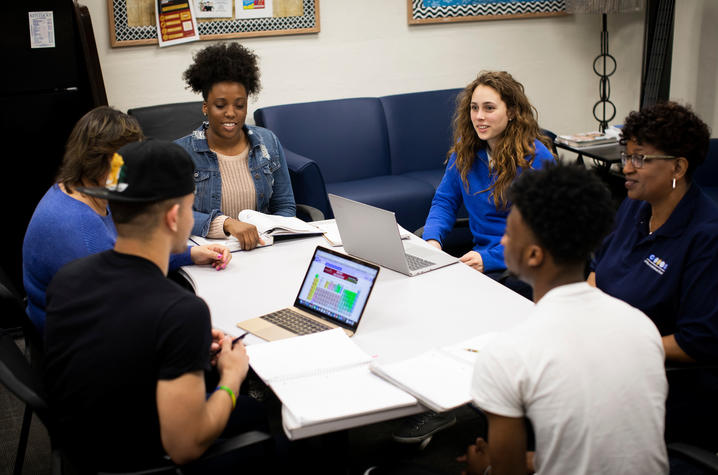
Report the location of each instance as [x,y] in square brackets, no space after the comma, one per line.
[337,287]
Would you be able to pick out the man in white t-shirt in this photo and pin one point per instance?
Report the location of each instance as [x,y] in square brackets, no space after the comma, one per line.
[585,368]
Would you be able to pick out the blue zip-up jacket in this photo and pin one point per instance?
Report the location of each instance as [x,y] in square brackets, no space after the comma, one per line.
[487,223]
[266,164]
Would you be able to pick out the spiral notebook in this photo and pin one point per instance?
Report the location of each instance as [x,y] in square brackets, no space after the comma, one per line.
[323,377]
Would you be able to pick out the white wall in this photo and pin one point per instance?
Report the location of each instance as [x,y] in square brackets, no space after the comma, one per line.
[694,70]
[366,48]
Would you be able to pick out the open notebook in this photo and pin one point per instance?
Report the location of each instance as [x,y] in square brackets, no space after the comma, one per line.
[439,378]
[323,377]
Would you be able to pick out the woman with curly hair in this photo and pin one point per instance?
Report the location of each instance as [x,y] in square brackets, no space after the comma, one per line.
[496,135]
[238,166]
[662,257]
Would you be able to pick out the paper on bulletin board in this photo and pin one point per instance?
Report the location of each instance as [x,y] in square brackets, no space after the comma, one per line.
[245,9]
[213,8]
[42,29]
[176,22]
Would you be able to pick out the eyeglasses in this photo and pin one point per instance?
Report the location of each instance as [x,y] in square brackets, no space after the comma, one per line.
[638,159]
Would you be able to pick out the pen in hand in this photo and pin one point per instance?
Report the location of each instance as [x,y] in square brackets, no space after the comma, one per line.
[239,338]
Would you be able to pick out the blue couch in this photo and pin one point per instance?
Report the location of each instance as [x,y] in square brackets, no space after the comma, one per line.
[387,151]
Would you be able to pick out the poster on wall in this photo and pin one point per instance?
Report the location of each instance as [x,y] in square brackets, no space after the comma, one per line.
[134,22]
[213,8]
[176,22]
[253,9]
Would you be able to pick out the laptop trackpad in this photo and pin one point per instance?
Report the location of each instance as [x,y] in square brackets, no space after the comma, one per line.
[265,330]
[420,251]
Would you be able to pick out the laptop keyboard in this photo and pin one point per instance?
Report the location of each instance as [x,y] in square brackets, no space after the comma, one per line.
[295,322]
[416,263]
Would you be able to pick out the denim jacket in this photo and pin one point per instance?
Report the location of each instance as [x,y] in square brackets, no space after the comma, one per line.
[266,164]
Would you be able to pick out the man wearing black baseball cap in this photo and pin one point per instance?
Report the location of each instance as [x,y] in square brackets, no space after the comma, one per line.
[126,347]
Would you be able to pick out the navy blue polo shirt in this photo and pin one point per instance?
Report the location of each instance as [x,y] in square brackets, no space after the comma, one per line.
[672,274]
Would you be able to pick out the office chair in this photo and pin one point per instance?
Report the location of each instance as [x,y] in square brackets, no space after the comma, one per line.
[25,382]
[169,121]
[695,456]
[694,442]
[552,137]
[309,213]
[13,310]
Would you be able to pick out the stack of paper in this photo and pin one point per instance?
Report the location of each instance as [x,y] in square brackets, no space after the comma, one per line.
[588,139]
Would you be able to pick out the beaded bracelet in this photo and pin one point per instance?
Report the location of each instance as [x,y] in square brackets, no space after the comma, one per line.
[231,394]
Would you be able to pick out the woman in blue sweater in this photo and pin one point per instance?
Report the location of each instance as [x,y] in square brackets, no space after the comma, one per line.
[496,135]
[68,224]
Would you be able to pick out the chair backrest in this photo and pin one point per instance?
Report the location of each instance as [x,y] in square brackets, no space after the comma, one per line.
[552,137]
[707,174]
[169,121]
[20,378]
[12,309]
[419,128]
[346,137]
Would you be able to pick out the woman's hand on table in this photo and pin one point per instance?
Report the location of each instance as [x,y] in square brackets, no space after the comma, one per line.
[473,259]
[246,233]
[434,243]
[215,254]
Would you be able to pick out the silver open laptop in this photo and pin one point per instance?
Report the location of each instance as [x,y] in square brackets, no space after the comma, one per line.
[334,293]
[372,234]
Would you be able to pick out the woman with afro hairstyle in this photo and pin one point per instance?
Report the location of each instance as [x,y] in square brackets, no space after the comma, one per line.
[496,135]
[237,166]
[662,256]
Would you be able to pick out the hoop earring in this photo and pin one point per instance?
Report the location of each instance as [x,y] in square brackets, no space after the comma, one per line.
[674,183]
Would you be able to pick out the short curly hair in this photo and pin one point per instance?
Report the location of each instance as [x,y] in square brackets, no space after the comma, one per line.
[568,209]
[671,128]
[223,62]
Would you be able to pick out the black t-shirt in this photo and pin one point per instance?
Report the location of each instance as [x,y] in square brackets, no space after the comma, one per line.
[115,326]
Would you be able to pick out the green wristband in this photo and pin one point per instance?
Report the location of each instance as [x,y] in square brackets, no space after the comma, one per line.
[231,394]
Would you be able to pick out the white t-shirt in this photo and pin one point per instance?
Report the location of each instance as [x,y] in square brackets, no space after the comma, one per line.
[587,370]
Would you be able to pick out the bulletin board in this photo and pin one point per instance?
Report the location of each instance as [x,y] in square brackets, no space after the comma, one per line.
[443,11]
[132,22]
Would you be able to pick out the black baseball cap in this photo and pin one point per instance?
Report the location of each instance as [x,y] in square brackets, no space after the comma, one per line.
[147,171]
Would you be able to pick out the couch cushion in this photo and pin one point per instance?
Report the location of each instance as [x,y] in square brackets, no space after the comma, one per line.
[419,128]
[169,121]
[346,137]
[432,177]
[410,199]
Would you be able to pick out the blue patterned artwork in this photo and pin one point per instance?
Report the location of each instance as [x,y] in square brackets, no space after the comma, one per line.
[449,3]
[441,11]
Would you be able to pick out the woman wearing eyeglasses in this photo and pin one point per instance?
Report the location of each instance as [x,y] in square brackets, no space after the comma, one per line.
[662,256]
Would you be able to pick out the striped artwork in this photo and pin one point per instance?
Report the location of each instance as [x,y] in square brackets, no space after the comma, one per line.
[439,11]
